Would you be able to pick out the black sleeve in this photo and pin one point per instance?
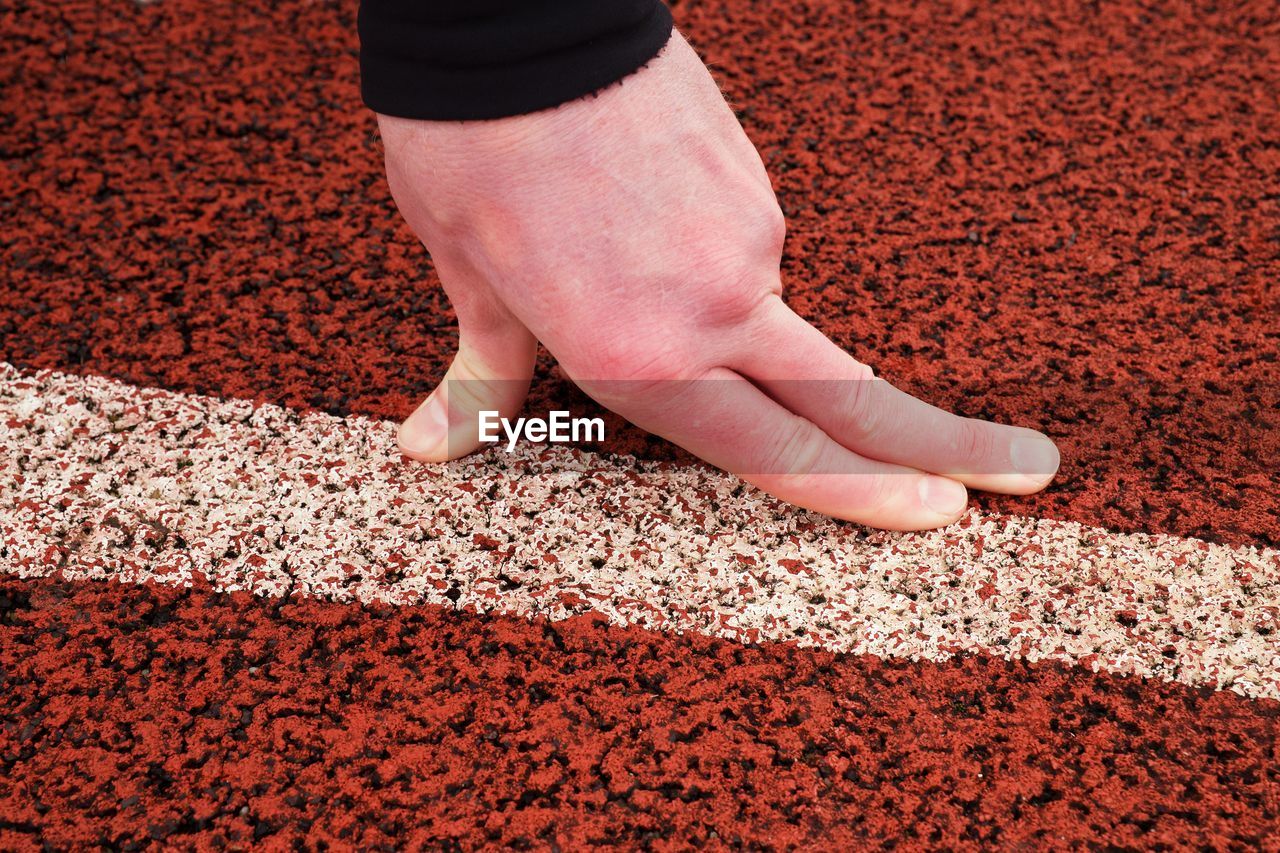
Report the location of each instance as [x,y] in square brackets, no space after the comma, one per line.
[477,59]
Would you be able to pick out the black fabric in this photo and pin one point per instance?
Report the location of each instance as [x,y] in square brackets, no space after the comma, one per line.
[478,59]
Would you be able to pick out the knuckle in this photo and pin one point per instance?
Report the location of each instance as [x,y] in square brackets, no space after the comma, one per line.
[771,227]
[868,491]
[635,364]
[971,440]
[858,415]
[477,312]
[795,451]
[468,386]
[733,301]
[618,370]
[736,276]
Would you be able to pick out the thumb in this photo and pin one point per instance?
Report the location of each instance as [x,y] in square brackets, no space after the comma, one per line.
[491,372]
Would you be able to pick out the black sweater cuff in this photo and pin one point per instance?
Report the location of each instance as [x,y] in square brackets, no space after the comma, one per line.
[478,59]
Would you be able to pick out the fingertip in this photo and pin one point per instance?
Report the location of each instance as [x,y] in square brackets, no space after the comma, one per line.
[1035,458]
[944,497]
[424,435]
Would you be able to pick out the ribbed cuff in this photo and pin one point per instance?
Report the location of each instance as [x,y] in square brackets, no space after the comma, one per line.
[421,61]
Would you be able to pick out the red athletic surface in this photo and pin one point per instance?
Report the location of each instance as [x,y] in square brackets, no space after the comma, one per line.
[181,716]
[1065,215]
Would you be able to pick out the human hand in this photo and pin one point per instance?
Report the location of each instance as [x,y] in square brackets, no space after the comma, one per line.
[637,236]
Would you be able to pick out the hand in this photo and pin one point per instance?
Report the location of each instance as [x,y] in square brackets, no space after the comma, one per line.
[636,235]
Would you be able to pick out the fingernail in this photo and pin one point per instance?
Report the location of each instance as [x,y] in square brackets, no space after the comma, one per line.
[427,428]
[1034,456]
[943,496]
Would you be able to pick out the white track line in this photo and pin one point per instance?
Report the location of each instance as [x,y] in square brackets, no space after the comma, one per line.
[104,480]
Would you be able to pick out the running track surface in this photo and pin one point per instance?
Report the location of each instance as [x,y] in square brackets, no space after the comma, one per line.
[1063,215]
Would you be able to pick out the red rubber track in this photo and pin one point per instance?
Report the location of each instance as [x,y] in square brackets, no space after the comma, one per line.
[1065,215]
[185,716]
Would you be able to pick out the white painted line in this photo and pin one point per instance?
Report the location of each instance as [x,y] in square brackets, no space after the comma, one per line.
[103,480]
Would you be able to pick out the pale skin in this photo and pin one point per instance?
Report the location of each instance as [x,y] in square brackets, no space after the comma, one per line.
[636,235]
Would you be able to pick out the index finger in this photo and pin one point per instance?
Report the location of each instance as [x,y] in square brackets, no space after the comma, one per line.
[806,372]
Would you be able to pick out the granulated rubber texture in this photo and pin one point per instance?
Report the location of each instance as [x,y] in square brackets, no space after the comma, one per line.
[149,713]
[1063,215]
